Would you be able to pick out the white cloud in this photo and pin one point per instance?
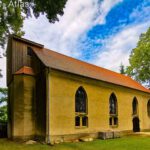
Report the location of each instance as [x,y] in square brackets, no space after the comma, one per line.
[79,16]
[141,13]
[105,7]
[117,48]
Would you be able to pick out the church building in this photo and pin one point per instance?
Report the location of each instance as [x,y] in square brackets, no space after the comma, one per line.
[54,97]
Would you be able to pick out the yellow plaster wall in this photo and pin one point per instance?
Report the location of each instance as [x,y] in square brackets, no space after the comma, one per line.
[22,108]
[63,87]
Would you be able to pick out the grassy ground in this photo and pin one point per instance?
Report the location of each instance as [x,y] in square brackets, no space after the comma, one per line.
[125,143]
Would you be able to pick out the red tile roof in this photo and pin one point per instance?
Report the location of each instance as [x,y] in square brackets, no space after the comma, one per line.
[25,70]
[64,63]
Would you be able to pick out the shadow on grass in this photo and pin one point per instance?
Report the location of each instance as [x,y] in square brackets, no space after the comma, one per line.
[132,142]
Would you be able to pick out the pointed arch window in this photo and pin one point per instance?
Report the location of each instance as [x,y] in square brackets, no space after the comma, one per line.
[80,100]
[135,106]
[113,111]
[113,104]
[148,108]
[81,119]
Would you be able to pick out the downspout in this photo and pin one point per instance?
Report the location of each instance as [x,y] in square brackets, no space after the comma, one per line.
[47,106]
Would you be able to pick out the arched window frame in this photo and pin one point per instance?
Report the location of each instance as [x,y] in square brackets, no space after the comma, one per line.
[113,110]
[135,106]
[81,108]
[82,101]
[148,108]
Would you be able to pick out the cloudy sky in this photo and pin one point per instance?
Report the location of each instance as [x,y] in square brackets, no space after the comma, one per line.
[101,32]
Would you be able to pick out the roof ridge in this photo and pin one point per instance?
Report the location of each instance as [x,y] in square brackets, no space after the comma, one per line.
[93,65]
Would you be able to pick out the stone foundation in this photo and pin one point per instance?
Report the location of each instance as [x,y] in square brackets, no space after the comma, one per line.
[96,135]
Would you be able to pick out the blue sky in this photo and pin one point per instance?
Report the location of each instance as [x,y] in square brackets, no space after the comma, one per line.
[101,32]
[123,14]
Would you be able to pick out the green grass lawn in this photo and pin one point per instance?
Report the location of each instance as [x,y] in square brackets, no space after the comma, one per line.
[124,143]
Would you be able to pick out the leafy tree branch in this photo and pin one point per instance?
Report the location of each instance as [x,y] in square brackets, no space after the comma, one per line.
[139,60]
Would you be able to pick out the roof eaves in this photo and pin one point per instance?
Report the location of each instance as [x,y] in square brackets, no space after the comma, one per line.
[25,70]
[146,90]
[27,41]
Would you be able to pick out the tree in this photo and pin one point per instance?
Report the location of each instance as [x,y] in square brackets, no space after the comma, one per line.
[13,13]
[52,8]
[11,21]
[122,69]
[139,60]
[3,104]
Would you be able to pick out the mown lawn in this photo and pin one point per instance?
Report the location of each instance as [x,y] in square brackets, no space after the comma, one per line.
[125,143]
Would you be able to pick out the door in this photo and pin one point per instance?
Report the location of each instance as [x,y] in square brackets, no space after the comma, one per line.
[136,124]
